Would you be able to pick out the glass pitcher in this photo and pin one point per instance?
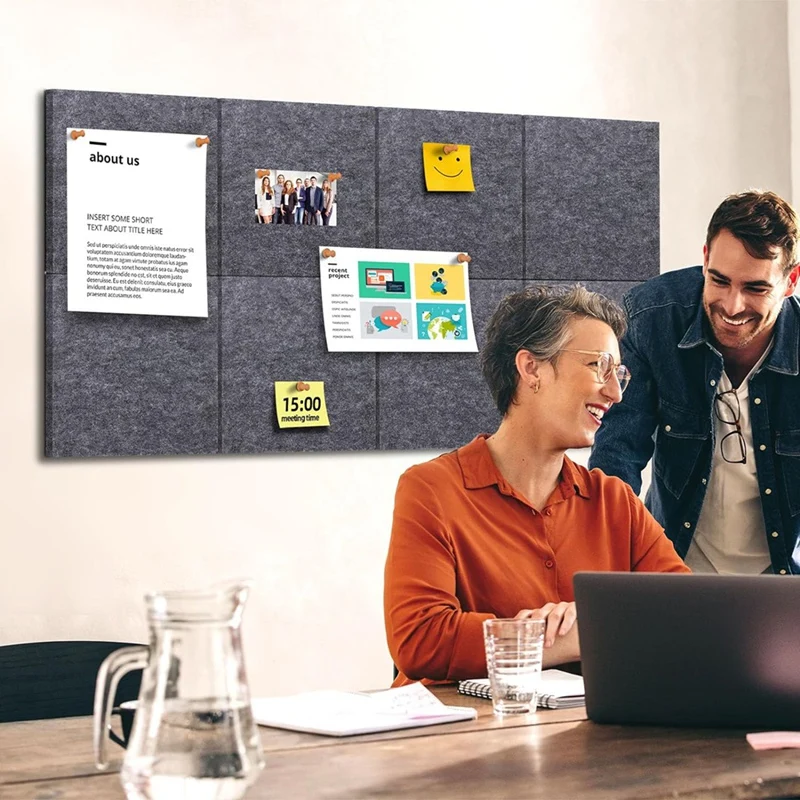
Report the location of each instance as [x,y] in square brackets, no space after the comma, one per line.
[193,733]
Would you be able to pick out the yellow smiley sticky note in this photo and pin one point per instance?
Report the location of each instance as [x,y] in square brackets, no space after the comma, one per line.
[300,405]
[448,168]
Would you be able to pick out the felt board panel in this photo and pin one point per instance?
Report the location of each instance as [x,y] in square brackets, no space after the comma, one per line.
[487,222]
[591,199]
[303,137]
[557,201]
[436,398]
[613,289]
[126,112]
[129,384]
[272,331]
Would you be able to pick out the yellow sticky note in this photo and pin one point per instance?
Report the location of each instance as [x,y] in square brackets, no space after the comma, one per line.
[447,172]
[300,405]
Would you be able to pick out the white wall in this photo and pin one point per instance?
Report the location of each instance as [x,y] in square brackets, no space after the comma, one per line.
[82,540]
[793,28]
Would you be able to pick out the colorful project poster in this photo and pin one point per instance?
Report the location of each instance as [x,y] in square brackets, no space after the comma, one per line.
[395,301]
[136,223]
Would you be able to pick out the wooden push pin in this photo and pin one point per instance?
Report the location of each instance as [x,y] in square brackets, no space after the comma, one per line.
[262,173]
[328,253]
[77,134]
[463,258]
[302,387]
[450,148]
[334,176]
[201,140]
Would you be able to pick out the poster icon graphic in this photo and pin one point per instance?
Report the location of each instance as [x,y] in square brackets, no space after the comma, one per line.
[444,321]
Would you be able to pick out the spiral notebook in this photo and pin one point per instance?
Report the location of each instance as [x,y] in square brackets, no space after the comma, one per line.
[557,689]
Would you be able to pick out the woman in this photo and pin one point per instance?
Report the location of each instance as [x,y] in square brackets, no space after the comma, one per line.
[327,201]
[499,527]
[288,203]
[266,205]
[300,191]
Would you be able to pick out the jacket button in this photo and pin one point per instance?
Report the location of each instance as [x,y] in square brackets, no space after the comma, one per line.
[687,524]
[757,401]
[774,534]
[762,447]
[781,571]
[549,563]
[713,382]
[767,491]
[668,428]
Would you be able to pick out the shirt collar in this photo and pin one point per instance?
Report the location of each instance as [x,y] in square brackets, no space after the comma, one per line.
[786,338]
[479,471]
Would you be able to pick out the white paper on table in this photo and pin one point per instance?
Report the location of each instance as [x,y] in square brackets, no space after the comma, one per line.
[347,713]
[136,223]
[377,300]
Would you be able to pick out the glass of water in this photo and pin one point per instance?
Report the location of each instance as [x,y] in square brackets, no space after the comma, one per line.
[514,662]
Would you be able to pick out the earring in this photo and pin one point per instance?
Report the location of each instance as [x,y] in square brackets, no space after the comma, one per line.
[536,387]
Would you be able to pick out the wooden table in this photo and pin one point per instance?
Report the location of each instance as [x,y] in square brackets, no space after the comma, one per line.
[552,755]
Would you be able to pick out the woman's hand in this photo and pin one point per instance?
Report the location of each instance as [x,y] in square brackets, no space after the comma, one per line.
[559,618]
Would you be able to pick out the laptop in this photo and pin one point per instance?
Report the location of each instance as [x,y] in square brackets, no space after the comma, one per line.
[698,650]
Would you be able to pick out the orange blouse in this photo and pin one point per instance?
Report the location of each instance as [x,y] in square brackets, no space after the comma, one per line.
[466,547]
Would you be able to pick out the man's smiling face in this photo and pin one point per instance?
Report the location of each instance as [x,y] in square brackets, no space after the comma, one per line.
[742,294]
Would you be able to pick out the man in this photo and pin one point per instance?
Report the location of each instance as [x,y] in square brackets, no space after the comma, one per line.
[277,199]
[715,394]
[314,202]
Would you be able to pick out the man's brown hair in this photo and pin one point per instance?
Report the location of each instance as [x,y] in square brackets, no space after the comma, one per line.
[763,222]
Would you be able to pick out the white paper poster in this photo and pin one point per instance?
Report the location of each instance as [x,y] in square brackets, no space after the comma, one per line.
[395,301]
[136,223]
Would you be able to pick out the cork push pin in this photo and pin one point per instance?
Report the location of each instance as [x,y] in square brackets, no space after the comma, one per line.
[262,173]
[334,176]
[77,134]
[201,140]
[463,258]
[302,387]
[328,253]
[450,148]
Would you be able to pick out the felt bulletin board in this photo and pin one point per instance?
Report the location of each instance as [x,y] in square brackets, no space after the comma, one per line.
[556,200]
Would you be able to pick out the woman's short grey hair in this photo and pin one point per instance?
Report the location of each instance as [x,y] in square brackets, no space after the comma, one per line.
[537,319]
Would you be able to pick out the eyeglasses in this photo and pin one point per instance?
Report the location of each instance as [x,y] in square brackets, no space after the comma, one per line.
[728,410]
[606,367]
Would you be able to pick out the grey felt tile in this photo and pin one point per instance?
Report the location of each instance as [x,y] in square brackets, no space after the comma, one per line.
[303,137]
[272,331]
[613,289]
[129,384]
[486,222]
[439,400]
[591,198]
[129,112]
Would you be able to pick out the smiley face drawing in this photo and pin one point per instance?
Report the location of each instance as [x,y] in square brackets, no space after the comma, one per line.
[447,172]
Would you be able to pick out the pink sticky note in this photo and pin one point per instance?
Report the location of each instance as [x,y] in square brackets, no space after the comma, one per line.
[773,740]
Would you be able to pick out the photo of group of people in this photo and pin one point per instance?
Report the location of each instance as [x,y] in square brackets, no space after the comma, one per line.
[289,197]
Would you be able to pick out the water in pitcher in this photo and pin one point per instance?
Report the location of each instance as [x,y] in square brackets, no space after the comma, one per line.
[200,754]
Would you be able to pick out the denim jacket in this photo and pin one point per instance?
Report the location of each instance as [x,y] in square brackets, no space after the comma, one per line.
[668,408]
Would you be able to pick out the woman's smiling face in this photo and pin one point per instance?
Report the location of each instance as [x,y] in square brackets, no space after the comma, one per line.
[576,400]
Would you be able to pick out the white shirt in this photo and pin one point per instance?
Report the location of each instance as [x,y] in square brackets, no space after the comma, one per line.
[730,537]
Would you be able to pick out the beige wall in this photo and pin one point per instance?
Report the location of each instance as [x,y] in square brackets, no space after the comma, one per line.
[793,28]
[82,540]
